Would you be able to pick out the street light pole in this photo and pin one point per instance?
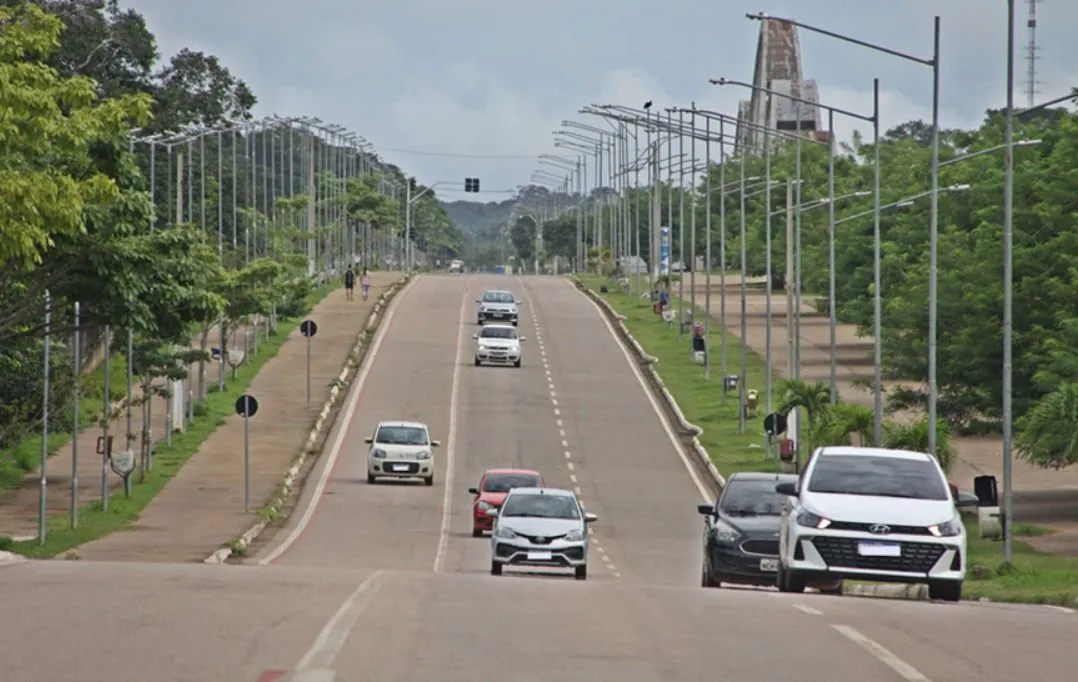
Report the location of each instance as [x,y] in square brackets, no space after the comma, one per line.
[1006,510]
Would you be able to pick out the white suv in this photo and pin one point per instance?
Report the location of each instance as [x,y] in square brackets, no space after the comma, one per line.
[872,514]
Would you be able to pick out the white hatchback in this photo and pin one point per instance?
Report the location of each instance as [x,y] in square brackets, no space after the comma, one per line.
[872,514]
[401,450]
[498,344]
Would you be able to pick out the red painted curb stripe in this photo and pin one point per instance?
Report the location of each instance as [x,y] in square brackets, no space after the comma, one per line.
[272,675]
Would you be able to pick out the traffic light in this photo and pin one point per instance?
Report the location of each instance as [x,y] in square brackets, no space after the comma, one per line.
[471,184]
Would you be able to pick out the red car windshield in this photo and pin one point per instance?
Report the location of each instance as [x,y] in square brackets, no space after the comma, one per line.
[503,483]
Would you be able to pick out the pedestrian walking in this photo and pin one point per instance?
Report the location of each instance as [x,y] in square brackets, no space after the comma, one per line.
[350,284]
[365,282]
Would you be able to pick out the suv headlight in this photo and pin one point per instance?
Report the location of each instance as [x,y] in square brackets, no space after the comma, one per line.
[947,529]
[504,533]
[809,520]
[724,533]
[574,536]
[422,455]
[484,506]
[378,454]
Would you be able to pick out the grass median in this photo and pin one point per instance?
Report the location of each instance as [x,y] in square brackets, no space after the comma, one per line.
[95,523]
[1033,577]
[700,399]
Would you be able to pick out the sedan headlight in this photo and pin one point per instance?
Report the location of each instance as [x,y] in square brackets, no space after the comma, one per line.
[724,533]
[378,454]
[574,536]
[504,533]
[484,506]
[947,529]
[809,520]
[422,455]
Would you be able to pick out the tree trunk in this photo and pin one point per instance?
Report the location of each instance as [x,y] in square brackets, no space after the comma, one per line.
[204,341]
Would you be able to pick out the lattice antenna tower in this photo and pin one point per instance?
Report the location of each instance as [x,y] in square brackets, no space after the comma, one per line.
[1032,56]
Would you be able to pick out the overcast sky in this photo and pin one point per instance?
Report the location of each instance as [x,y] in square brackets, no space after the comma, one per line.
[459,80]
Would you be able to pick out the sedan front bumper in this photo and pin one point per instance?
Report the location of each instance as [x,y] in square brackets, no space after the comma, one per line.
[522,552]
[400,468]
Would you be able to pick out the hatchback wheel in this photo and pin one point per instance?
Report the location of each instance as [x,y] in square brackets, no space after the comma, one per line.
[495,568]
[945,590]
[370,479]
[581,572]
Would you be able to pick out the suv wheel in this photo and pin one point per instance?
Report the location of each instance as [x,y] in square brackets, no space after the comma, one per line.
[788,581]
[706,580]
[945,590]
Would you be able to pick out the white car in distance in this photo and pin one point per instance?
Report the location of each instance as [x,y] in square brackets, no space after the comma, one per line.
[401,449]
[872,514]
[498,344]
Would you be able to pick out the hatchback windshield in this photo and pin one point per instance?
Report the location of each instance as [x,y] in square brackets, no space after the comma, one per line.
[751,498]
[498,333]
[918,479]
[541,506]
[498,297]
[503,483]
[402,435]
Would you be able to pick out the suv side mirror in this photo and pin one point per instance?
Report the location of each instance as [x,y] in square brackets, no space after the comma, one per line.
[788,489]
[966,500]
[368,440]
[590,517]
[478,300]
[473,491]
[706,509]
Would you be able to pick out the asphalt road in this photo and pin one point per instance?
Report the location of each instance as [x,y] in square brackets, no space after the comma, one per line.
[386,583]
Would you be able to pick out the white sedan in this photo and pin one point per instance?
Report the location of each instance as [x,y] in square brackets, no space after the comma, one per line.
[498,344]
[401,450]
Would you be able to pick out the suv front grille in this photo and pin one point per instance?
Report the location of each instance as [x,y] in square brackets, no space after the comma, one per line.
[867,528]
[917,557]
[539,539]
[766,547]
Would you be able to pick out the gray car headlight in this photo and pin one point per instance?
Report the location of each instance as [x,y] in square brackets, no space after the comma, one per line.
[724,533]
[379,454]
[947,529]
[574,536]
[504,533]
[422,455]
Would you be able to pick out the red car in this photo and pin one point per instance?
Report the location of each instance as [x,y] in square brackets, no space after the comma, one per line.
[493,487]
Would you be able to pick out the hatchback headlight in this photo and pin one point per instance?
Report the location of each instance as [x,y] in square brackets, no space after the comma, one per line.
[724,533]
[947,529]
[378,454]
[504,533]
[484,506]
[422,455]
[574,536]
[809,520]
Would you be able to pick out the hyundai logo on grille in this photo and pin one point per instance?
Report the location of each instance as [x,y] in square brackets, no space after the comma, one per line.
[879,529]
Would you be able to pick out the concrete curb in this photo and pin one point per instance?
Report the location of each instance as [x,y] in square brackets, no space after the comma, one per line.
[321,423]
[914,592]
[697,448]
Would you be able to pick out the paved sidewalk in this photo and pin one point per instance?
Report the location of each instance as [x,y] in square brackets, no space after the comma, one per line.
[202,507]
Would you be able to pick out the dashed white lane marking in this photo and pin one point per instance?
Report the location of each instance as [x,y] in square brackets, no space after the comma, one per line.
[322,654]
[598,548]
[808,609]
[885,656]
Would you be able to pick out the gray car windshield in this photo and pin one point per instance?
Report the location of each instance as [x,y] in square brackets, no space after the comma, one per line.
[503,483]
[498,297]
[917,479]
[541,507]
[401,435]
[751,498]
[498,333]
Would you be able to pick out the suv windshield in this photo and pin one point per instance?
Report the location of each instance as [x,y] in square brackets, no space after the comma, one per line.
[498,333]
[498,297]
[503,483]
[401,435]
[917,479]
[541,506]
[751,498]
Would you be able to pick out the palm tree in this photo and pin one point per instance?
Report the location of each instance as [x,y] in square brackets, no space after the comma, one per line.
[1048,433]
[914,437]
[838,423]
[813,398]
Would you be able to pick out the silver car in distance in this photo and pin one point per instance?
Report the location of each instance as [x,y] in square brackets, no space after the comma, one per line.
[544,527]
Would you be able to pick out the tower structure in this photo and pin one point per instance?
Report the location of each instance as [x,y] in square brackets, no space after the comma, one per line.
[1031,54]
[778,68]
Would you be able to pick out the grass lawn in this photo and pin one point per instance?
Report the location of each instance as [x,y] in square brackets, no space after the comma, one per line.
[1033,577]
[95,523]
[700,398]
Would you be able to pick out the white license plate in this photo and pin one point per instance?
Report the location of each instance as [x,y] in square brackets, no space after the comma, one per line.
[539,556]
[879,549]
[769,565]
[400,467]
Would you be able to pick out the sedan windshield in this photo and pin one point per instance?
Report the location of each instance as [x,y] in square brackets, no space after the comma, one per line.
[751,498]
[498,333]
[503,483]
[498,297]
[541,506]
[917,479]
[402,435]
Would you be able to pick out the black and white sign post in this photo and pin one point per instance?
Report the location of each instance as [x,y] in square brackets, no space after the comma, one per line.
[246,407]
[308,328]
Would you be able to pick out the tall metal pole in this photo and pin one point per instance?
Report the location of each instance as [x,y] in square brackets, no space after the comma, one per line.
[933,244]
[692,238]
[707,260]
[744,308]
[797,248]
[722,240]
[105,421]
[76,391]
[1008,293]
[831,277]
[767,269]
[43,494]
[221,254]
[681,225]
[877,300]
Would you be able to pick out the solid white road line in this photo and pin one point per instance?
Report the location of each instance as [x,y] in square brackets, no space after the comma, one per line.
[345,424]
[451,444]
[885,656]
[704,493]
[318,661]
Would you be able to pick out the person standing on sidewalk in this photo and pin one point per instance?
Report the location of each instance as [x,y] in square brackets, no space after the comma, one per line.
[365,282]
[350,285]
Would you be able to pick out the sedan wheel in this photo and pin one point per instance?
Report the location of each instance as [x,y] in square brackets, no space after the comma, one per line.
[495,568]
[581,572]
